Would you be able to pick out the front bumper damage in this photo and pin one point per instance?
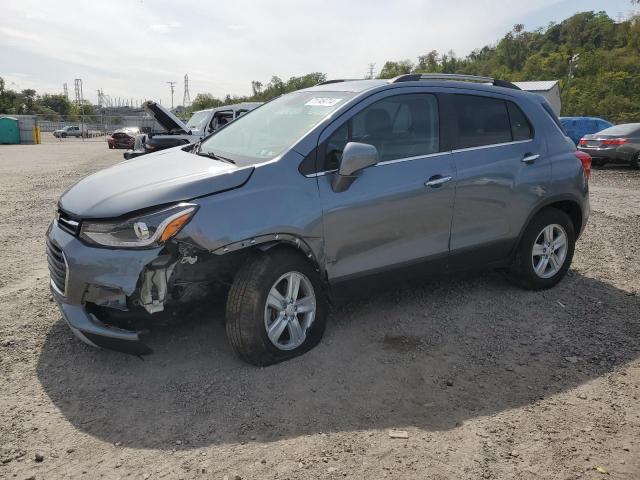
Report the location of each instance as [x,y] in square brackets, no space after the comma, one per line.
[103,276]
[132,284]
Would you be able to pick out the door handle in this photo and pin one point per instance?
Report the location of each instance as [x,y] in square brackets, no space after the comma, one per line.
[436,181]
[530,157]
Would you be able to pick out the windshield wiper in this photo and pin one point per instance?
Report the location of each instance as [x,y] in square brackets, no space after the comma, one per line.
[214,156]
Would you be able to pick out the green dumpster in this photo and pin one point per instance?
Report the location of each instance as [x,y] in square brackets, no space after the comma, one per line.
[9,130]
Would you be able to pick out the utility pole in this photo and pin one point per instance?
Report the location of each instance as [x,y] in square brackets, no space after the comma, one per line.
[186,99]
[80,102]
[572,65]
[371,70]
[172,85]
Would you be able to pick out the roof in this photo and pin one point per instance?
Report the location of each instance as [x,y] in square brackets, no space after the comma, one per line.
[357,86]
[349,85]
[237,106]
[537,86]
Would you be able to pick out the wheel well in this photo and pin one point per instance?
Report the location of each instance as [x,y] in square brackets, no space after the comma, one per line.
[573,210]
[290,246]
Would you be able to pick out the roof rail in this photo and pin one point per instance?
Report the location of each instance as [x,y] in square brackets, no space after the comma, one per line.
[338,80]
[414,77]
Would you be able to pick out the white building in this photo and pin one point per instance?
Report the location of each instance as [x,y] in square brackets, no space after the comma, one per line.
[549,89]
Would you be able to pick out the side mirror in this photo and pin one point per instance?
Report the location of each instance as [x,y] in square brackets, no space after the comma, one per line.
[355,157]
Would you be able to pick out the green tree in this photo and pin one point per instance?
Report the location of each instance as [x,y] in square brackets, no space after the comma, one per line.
[393,69]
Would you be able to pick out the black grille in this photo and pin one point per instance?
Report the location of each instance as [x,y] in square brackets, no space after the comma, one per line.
[67,223]
[57,266]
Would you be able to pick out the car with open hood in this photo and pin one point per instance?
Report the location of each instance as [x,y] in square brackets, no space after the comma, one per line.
[177,132]
[307,198]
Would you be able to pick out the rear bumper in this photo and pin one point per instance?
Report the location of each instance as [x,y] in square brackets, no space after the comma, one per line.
[609,154]
[113,272]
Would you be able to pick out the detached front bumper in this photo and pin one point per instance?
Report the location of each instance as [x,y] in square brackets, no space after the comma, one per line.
[79,272]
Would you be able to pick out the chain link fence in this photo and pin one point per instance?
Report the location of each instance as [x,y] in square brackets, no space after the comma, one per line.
[94,128]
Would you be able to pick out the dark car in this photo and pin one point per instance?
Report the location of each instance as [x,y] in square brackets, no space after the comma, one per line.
[123,137]
[578,127]
[620,143]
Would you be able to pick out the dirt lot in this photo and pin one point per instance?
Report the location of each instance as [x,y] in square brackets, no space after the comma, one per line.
[489,381]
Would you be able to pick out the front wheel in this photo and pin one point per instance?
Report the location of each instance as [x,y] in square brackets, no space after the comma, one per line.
[545,250]
[276,308]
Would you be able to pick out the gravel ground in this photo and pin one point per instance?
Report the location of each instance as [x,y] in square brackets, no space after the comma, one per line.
[487,380]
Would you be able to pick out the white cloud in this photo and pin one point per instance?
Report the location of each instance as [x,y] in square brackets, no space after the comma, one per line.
[131,49]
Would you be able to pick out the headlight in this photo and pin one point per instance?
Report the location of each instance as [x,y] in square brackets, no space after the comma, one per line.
[145,231]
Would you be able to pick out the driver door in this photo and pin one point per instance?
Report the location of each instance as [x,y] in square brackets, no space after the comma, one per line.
[399,211]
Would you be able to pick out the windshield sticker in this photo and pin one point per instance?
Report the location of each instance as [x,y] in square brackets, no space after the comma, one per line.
[323,102]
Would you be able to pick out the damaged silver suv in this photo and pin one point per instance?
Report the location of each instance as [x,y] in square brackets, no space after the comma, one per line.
[315,191]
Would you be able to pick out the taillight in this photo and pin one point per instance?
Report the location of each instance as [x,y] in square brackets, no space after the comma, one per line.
[582,141]
[614,141]
[585,159]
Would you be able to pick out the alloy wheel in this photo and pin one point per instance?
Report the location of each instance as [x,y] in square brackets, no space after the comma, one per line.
[289,311]
[549,251]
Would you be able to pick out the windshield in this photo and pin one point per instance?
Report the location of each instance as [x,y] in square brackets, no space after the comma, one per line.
[627,129]
[198,121]
[268,131]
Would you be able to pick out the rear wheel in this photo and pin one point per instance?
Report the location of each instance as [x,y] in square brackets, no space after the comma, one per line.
[545,251]
[635,162]
[276,308]
[63,135]
[598,162]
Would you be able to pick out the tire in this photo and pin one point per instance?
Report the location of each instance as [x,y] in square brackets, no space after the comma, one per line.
[525,262]
[63,135]
[598,163]
[635,162]
[248,316]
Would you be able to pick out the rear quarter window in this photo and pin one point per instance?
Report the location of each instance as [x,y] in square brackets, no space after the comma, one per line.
[520,127]
[547,108]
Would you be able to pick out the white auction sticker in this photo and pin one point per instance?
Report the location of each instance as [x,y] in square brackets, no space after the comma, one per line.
[323,102]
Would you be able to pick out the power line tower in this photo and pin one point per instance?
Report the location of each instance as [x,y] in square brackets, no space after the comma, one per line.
[78,88]
[371,70]
[186,99]
[80,102]
[65,89]
[172,85]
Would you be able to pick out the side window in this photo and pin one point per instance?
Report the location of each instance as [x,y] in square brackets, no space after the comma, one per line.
[481,121]
[335,146]
[402,126]
[520,126]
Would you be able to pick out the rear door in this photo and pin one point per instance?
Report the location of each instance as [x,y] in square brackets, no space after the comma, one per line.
[502,171]
[398,211]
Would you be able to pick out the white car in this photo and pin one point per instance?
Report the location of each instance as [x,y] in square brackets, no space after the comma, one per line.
[69,131]
[201,124]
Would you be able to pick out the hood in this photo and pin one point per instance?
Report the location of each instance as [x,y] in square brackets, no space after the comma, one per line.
[164,117]
[168,176]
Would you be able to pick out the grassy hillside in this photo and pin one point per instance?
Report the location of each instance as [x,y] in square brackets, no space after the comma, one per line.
[606,70]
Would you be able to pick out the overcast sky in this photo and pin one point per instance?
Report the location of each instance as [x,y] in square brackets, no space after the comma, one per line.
[132,48]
